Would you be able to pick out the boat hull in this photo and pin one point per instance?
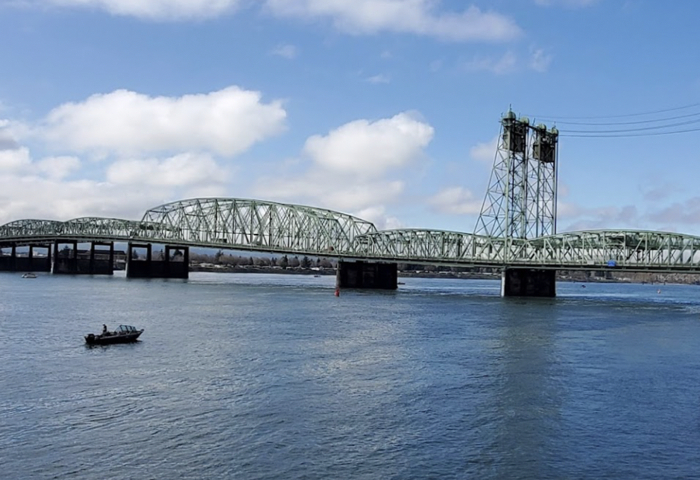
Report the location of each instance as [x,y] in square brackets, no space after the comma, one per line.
[93,339]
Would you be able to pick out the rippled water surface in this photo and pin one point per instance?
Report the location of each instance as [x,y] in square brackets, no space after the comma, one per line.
[272,376]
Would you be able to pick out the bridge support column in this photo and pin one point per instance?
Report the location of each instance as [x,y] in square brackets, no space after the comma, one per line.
[101,261]
[21,263]
[7,262]
[32,263]
[88,262]
[367,275]
[65,261]
[525,282]
[174,263]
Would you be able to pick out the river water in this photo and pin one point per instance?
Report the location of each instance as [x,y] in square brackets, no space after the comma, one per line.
[273,377]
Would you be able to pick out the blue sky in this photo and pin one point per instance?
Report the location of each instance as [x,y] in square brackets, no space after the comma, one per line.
[385,109]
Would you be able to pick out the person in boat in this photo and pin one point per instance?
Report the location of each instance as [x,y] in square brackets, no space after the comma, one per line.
[104,329]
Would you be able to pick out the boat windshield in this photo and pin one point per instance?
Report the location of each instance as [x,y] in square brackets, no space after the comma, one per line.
[126,329]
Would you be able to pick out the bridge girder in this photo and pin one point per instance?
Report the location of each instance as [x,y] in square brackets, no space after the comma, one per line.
[240,224]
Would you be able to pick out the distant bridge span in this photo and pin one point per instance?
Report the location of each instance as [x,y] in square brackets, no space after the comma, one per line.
[270,227]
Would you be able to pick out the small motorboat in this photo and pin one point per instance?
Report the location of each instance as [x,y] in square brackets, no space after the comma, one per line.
[29,275]
[123,334]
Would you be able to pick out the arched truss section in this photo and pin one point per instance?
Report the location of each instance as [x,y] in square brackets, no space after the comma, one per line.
[618,248]
[438,246]
[255,225]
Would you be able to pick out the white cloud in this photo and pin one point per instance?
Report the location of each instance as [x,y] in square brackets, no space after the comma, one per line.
[368,149]
[58,167]
[378,216]
[7,136]
[14,160]
[139,132]
[180,170]
[436,65]
[539,60]
[327,191]
[485,152]
[157,9]
[572,217]
[38,189]
[455,201]
[565,3]
[419,17]
[286,51]
[356,168]
[366,200]
[47,198]
[500,66]
[226,122]
[381,78]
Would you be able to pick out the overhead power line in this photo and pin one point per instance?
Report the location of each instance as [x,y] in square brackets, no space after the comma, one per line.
[635,122]
[632,130]
[621,135]
[555,118]
[659,125]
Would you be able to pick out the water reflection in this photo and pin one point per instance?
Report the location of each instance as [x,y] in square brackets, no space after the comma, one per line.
[526,409]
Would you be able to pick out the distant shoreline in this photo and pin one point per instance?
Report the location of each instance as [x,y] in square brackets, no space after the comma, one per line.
[577,277]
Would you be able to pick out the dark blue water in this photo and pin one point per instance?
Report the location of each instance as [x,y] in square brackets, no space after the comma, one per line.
[273,377]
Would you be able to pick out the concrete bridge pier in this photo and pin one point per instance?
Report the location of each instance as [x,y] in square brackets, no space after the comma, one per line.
[65,259]
[101,261]
[367,275]
[528,282]
[97,261]
[30,263]
[174,262]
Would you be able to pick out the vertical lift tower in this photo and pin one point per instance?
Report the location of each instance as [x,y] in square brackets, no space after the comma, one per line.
[521,200]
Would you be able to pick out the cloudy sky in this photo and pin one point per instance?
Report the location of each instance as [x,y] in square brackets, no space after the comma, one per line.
[384,109]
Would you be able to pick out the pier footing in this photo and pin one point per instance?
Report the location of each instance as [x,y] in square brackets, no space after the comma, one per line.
[367,275]
[26,263]
[174,262]
[95,261]
[525,282]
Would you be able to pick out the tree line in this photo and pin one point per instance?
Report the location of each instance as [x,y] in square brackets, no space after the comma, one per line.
[285,261]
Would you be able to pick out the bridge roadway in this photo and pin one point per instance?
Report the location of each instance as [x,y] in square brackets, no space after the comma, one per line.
[262,226]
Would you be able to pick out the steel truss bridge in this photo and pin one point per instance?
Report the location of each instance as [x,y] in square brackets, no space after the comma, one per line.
[516,227]
[276,228]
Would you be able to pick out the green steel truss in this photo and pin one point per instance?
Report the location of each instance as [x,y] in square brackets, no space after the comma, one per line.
[82,229]
[256,225]
[583,250]
[226,223]
[238,224]
[521,198]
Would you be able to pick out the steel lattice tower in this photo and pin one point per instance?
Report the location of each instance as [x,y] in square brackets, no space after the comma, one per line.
[521,200]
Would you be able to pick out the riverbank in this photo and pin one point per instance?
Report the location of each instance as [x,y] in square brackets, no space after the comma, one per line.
[603,276]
